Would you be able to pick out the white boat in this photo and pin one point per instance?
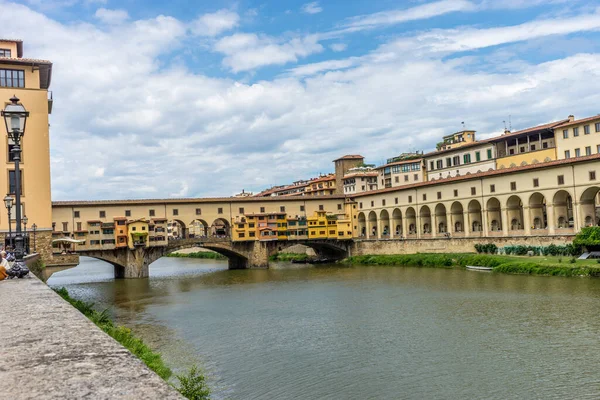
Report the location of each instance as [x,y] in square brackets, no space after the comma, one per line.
[476,268]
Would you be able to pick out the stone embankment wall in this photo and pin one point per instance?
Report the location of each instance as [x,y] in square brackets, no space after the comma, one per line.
[452,245]
[52,351]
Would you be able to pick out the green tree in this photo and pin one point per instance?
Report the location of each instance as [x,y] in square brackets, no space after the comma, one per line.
[193,385]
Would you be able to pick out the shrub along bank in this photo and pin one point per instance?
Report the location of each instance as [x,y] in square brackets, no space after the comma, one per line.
[504,264]
[199,254]
[192,385]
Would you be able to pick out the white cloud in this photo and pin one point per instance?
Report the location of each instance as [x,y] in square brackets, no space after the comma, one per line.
[214,24]
[312,8]
[141,125]
[111,16]
[246,51]
[337,47]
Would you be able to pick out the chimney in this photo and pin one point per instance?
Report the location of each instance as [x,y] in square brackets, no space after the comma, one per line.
[506,131]
[571,118]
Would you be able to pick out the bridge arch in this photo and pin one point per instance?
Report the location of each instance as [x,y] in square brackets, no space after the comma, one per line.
[457,217]
[475,217]
[176,228]
[220,228]
[563,209]
[198,228]
[590,207]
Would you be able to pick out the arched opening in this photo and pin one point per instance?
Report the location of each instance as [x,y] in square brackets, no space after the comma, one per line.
[441,221]
[563,210]
[198,228]
[590,206]
[425,217]
[372,225]
[457,217]
[537,212]
[494,214]
[220,228]
[176,229]
[384,224]
[514,207]
[397,222]
[475,217]
[362,225]
[411,220]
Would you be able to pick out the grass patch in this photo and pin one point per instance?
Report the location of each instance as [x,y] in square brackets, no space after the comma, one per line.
[541,265]
[199,254]
[288,257]
[192,385]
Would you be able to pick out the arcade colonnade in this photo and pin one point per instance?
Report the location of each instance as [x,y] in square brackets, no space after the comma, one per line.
[549,212]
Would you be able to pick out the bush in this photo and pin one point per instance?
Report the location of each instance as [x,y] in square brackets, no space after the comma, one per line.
[193,385]
[588,237]
[489,248]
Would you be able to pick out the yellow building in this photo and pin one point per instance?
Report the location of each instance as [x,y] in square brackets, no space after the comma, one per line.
[29,80]
[577,138]
[138,233]
[322,186]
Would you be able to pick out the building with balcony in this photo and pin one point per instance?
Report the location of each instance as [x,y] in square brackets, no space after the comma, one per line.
[360,179]
[455,140]
[400,172]
[322,186]
[138,233]
[462,158]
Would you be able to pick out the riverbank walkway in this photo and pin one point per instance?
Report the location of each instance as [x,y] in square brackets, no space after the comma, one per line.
[49,350]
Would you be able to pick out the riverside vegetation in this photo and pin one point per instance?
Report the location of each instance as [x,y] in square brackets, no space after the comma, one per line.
[199,254]
[191,385]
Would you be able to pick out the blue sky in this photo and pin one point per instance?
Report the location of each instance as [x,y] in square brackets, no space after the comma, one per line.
[179,98]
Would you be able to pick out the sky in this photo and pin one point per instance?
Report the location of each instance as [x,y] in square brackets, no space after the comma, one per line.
[156,99]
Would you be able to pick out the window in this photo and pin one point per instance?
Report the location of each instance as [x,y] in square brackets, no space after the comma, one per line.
[143,228]
[511,151]
[262,209]
[339,206]
[76,214]
[301,208]
[597,126]
[439,164]
[54,227]
[561,179]
[577,153]
[242,234]
[492,188]
[405,178]
[102,214]
[410,199]
[473,191]
[513,186]
[5,53]
[282,209]
[198,211]
[448,162]
[567,154]
[575,131]
[383,202]
[489,154]
[431,165]
[128,213]
[588,151]
[536,182]
[598,149]
[592,175]
[79,226]
[151,213]
[360,205]
[477,156]
[416,177]
[455,193]
[586,130]
[467,158]
[252,234]
[220,210]
[522,149]
[12,181]
[12,78]
[65,226]
[532,147]
[395,200]
[439,195]
[105,231]
[565,134]
[175,211]
[456,160]
[372,203]
[424,197]
[397,179]
[544,145]
[241,210]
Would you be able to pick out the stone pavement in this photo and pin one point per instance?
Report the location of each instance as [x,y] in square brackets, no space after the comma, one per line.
[49,350]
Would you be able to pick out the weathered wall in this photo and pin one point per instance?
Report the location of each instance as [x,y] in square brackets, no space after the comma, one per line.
[453,245]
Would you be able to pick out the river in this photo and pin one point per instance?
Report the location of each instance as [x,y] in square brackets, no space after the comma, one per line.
[298,332]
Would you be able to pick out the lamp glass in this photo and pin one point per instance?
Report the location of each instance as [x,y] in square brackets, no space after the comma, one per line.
[8,201]
[25,219]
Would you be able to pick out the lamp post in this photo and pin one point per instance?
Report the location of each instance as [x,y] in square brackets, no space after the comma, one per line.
[34,227]
[8,202]
[15,118]
[25,221]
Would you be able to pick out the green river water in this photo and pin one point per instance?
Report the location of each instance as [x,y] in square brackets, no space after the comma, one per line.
[298,332]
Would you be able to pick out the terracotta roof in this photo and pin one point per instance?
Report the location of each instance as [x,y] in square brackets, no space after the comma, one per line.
[330,177]
[45,72]
[549,125]
[350,157]
[458,148]
[413,160]
[483,174]
[578,121]
[365,173]
[83,203]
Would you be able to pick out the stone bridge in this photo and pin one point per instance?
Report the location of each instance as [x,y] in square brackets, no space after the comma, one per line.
[134,263]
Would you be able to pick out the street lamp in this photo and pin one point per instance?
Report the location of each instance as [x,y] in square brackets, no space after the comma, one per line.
[8,202]
[25,221]
[15,118]
[34,227]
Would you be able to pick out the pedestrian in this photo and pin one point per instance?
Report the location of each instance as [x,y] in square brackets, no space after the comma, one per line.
[3,266]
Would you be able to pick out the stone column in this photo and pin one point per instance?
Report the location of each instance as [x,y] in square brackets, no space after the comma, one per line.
[526,220]
[505,221]
[404,226]
[578,216]
[551,219]
[466,223]
[484,223]
[418,225]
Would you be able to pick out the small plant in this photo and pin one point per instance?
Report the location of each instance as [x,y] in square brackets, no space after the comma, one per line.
[193,385]
[560,259]
[572,260]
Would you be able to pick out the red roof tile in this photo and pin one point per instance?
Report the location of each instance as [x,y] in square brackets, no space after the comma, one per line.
[578,121]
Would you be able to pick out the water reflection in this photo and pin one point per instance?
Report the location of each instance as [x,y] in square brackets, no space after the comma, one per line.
[360,332]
